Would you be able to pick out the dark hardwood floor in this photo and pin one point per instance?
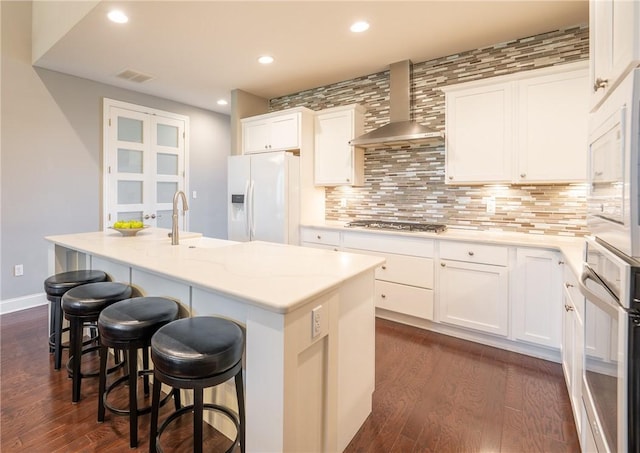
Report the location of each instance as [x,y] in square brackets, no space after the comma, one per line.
[433,394]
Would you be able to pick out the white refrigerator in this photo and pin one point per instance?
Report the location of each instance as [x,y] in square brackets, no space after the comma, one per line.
[264,197]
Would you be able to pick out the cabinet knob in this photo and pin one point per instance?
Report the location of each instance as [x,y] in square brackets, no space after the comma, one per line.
[318,237]
[568,307]
[266,146]
[348,180]
[600,83]
[335,249]
[470,253]
[560,262]
[598,173]
[568,285]
[384,296]
[443,265]
[450,177]
[523,175]
[384,268]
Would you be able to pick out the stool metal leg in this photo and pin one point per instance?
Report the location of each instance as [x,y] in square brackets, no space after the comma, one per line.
[145,366]
[133,396]
[198,409]
[57,337]
[102,387]
[155,408]
[76,352]
[240,396]
[52,320]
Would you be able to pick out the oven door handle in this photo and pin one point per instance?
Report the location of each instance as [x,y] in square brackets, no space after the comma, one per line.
[588,274]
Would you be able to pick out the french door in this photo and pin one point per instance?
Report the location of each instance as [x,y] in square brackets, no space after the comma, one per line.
[145,162]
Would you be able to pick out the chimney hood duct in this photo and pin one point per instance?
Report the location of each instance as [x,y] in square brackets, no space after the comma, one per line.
[401,130]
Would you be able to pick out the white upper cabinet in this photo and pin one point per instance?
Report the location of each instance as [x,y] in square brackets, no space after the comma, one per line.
[552,128]
[479,134]
[271,132]
[614,43]
[336,162]
[529,127]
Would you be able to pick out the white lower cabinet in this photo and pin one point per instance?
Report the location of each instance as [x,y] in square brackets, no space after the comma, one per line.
[573,343]
[474,296]
[319,238]
[404,284]
[537,297]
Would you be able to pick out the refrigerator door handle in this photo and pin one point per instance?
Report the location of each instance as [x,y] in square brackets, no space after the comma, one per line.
[246,208]
[252,220]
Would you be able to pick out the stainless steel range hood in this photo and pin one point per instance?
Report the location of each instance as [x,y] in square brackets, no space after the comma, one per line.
[401,130]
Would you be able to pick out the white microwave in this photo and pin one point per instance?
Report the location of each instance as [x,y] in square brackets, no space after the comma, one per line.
[613,202]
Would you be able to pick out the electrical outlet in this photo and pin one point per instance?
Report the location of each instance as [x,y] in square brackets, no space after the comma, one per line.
[316,321]
[491,205]
[343,202]
[18,270]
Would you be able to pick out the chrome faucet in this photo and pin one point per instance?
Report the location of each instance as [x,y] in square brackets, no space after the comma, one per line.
[175,240]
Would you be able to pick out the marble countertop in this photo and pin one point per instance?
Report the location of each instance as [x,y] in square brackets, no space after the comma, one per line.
[276,277]
[571,247]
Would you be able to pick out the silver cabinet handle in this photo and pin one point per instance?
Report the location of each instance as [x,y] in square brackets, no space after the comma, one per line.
[600,83]
[146,217]
[153,216]
[560,262]
[568,307]
[568,285]
[470,253]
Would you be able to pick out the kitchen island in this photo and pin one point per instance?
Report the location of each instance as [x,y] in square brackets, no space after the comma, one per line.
[308,316]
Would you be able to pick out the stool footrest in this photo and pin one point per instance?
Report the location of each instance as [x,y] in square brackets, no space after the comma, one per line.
[125,379]
[208,406]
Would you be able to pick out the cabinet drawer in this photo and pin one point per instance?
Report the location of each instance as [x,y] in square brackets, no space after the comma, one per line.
[391,244]
[316,245]
[320,236]
[474,253]
[409,300]
[408,270]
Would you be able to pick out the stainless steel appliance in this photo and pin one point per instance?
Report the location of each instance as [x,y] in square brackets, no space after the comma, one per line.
[398,226]
[611,278]
[610,283]
[613,168]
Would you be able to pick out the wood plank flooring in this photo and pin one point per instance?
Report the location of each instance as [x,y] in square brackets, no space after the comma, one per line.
[433,394]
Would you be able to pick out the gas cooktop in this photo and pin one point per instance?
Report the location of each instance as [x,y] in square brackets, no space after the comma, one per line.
[400,226]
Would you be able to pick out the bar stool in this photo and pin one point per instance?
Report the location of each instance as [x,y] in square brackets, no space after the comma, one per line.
[128,325]
[197,353]
[55,287]
[81,305]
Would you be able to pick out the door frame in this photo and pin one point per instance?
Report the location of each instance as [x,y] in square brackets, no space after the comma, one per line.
[107,104]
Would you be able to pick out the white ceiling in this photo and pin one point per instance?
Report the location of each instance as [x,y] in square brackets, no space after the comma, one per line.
[197,52]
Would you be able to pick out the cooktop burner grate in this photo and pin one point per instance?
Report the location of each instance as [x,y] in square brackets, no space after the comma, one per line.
[400,226]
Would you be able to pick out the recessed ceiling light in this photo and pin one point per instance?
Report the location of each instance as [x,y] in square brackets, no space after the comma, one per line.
[222,102]
[265,59]
[118,17]
[359,27]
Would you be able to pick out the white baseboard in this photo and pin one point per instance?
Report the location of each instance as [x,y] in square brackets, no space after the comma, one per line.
[22,303]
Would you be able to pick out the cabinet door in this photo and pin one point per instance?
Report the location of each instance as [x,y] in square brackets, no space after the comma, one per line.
[255,136]
[333,155]
[625,37]
[537,297]
[474,296]
[552,131]
[568,343]
[285,132]
[600,40]
[479,134]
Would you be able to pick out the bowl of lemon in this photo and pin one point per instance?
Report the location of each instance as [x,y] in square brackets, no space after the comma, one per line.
[129,227]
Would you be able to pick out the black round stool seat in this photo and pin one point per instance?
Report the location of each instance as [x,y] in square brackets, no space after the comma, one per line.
[128,325]
[194,348]
[55,287]
[135,319]
[198,353]
[91,299]
[58,284]
[81,305]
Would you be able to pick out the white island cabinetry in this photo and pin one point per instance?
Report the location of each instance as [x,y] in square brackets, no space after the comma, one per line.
[273,291]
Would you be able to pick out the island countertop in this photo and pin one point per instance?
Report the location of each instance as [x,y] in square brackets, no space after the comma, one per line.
[275,277]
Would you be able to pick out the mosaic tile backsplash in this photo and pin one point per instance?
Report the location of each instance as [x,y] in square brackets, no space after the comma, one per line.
[407,182]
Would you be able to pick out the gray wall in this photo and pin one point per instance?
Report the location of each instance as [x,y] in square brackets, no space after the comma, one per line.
[51,142]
